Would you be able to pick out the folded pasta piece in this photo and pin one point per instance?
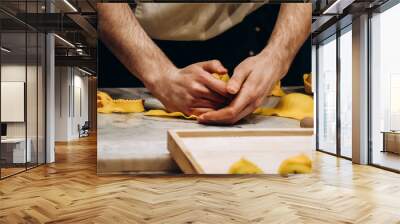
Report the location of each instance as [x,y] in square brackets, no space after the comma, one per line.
[244,166]
[307,79]
[105,104]
[293,105]
[102,96]
[277,90]
[128,106]
[163,113]
[296,164]
[223,77]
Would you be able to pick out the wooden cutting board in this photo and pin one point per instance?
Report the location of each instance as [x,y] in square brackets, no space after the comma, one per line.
[214,151]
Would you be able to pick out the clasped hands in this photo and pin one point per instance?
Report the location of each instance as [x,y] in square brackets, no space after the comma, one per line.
[193,89]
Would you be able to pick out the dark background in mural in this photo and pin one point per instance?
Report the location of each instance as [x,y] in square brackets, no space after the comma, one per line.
[230,48]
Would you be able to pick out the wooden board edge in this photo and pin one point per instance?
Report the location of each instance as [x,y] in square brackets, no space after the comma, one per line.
[188,164]
[243,132]
[180,155]
[195,164]
[186,152]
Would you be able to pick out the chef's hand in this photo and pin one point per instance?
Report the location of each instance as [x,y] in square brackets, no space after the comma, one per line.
[193,89]
[251,82]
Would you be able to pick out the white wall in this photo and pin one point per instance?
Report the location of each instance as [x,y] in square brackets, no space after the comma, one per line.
[70,84]
[13,72]
[80,83]
[62,80]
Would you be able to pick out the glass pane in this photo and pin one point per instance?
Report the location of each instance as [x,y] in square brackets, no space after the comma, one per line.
[31,98]
[346,94]
[41,99]
[327,96]
[32,88]
[385,84]
[13,86]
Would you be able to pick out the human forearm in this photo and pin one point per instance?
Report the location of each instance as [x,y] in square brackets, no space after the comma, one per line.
[191,90]
[254,78]
[122,33]
[292,28]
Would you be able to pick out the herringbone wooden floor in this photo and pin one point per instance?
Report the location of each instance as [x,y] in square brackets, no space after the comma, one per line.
[70,192]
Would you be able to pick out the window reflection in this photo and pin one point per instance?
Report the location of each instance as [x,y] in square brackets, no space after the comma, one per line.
[22,64]
[346,94]
[327,96]
[15,149]
[385,84]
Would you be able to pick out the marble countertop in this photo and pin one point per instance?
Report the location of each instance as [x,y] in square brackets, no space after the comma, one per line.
[129,143]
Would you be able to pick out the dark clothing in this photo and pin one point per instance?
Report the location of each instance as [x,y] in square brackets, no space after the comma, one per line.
[231,47]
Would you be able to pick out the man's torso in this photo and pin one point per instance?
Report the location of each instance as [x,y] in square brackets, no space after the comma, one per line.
[190,21]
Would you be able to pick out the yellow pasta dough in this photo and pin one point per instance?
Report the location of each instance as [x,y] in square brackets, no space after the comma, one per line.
[244,166]
[105,104]
[102,96]
[163,113]
[128,106]
[293,105]
[223,77]
[307,83]
[276,91]
[296,164]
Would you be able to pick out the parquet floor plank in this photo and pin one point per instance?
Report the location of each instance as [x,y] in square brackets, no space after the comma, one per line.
[69,191]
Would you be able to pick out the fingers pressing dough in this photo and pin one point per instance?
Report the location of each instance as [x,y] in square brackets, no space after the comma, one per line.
[276,91]
[105,104]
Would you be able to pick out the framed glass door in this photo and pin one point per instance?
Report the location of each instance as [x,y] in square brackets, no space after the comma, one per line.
[345,93]
[385,89]
[23,88]
[326,87]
